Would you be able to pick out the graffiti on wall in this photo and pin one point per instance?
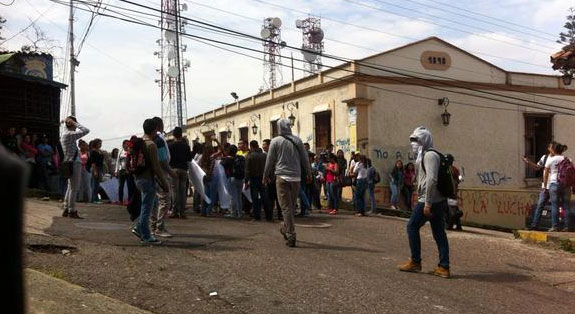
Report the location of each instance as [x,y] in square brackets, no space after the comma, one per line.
[394,154]
[343,144]
[493,178]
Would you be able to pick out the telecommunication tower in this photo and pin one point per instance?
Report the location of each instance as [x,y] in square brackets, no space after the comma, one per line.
[172,69]
[272,42]
[312,46]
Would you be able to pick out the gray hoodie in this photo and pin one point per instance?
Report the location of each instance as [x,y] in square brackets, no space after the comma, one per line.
[284,160]
[427,191]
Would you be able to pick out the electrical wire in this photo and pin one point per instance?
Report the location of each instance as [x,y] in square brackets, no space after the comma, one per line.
[9,4]
[388,78]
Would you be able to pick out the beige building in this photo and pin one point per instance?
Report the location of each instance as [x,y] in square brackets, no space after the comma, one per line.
[360,107]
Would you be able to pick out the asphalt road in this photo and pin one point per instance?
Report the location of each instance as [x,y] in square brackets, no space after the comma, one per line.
[342,264]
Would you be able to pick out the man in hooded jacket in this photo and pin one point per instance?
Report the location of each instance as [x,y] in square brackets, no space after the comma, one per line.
[431,205]
[286,160]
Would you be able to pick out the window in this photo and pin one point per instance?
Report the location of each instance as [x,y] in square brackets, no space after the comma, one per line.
[274,128]
[538,134]
[244,134]
[322,130]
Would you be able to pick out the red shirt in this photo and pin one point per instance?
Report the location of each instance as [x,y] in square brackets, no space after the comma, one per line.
[330,172]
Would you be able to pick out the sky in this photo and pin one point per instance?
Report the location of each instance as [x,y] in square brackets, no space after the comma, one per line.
[115,88]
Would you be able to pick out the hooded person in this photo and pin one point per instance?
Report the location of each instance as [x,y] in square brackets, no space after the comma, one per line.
[431,205]
[286,160]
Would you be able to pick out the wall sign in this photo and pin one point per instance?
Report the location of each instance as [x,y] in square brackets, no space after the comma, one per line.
[435,60]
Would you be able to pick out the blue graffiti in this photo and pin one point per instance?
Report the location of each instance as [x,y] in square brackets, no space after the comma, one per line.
[493,178]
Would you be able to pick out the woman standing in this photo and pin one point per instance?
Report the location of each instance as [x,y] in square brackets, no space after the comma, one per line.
[395,183]
[85,190]
[96,167]
[342,163]
[360,172]
[331,181]
[208,163]
[557,193]
[121,171]
[372,180]
[408,179]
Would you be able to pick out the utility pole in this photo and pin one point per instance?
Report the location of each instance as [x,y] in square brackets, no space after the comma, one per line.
[73,62]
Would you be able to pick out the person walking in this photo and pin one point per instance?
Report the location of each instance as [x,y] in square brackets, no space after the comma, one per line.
[431,205]
[286,160]
[557,193]
[181,156]
[73,132]
[147,174]
[255,165]
[164,200]
[360,172]
[272,193]
[396,183]
[408,180]
[543,193]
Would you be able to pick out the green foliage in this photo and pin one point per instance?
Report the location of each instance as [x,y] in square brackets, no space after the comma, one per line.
[568,37]
[567,245]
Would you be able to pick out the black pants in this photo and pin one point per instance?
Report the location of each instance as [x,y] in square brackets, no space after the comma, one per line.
[124,177]
[260,198]
[273,197]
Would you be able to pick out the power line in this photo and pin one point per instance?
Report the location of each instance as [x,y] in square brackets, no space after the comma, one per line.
[448,27]
[387,77]
[381,68]
[9,4]
[401,56]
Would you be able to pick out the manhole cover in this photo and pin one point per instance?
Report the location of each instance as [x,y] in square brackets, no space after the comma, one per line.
[51,248]
[101,226]
[320,225]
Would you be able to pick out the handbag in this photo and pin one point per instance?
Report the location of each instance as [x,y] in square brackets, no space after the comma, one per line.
[67,167]
[346,181]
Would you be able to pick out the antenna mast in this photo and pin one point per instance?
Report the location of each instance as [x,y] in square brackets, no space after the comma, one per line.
[271,34]
[173,67]
[312,46]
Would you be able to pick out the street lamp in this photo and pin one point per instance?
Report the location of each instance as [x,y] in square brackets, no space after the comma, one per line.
[229,131]
[236,97]
[253,119]
[291,106]
[445,116]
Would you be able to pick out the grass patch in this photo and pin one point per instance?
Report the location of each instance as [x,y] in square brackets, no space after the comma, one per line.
[567,245]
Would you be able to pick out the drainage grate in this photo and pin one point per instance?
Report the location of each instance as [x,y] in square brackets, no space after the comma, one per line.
[51,248]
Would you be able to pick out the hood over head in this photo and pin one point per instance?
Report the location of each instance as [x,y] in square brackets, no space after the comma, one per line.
[423,136]
[284,126]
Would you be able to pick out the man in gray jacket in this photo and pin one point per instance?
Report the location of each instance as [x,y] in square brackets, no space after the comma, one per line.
[431,205]
[286,160]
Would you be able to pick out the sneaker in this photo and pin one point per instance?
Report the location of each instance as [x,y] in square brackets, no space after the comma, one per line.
[553,229]
[74,215]
[411,266]
[136,233]
[152,241]
[333,212]
[65,213]
[283,232]
[163,234]
[441,272]
[291,241]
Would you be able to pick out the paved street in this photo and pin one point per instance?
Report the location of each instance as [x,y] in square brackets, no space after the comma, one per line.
[342,264]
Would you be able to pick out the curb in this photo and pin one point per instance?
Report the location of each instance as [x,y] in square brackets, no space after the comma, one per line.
[541,236]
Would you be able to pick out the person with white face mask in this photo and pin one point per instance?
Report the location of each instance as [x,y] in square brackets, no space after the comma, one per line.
[431,205]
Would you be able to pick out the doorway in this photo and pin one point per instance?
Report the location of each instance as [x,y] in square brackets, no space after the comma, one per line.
[322,130]
[538,134]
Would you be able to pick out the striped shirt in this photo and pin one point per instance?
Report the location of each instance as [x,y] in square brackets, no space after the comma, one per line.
[68,141]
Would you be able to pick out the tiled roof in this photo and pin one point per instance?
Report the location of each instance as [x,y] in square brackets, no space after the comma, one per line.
[564,58]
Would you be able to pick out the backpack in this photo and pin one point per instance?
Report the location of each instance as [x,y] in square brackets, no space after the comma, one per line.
[136,159]
[239,168]
[445,182]
[566,173]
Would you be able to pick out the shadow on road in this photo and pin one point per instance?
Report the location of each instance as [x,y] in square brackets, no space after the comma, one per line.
[309,245]
[495,277]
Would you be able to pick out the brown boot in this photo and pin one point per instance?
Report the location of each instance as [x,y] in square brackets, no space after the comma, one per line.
[441,272]
[411,266]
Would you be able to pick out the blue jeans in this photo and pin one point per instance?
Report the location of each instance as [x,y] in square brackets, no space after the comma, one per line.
[236,187]
[260,196]
[394,194]
[148,189]
[211,190]
[557,195]
[303,199]
[371,190]
[437,221]
[543,197]
[332,195]
[360,189]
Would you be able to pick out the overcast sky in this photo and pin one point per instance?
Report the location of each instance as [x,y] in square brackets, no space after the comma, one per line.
[115,81]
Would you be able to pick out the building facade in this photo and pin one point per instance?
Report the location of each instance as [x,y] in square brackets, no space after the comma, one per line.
[372,105]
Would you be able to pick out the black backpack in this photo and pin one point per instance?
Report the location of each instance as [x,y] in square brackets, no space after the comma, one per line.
[445,182]
[239,168]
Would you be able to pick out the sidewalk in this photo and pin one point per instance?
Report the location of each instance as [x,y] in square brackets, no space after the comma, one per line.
[543,236]
[47,294]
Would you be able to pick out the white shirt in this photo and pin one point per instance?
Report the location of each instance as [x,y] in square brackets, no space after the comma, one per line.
[360,171]
[541,162]
[553,165]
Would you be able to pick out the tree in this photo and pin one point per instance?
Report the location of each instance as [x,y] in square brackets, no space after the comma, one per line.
[2,21]
[39,41]
[568,38]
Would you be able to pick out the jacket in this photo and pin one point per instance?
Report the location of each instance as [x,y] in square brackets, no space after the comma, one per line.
[427,191]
